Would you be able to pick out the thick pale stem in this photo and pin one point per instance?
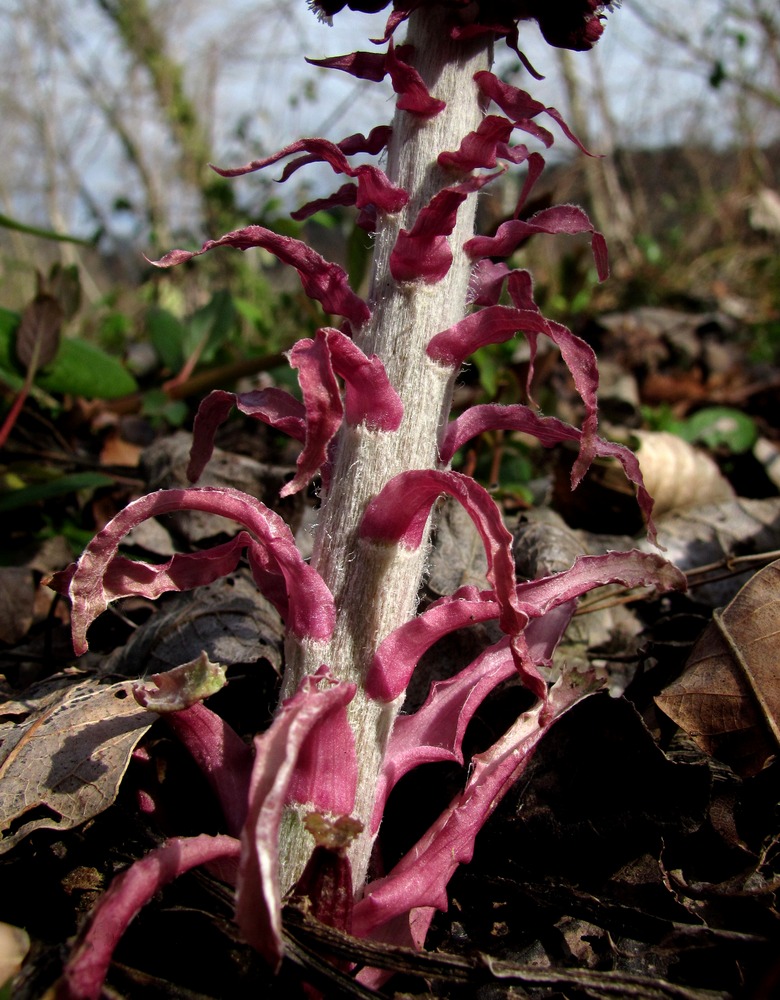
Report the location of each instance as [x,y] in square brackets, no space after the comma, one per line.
[376,586]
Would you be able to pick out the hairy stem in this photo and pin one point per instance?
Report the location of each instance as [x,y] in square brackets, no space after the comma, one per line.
[376,586]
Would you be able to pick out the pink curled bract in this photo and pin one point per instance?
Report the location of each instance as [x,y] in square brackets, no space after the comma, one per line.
[399,514]
[369,398]
[101,575]
[308,726]
[561,219]
[86,969]
[549,431]
[413,95]
[323,281]
[423,252]
[272,406]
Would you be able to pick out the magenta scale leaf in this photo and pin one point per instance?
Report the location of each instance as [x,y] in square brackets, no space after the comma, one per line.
[324,409]
[414,96]
[397,656]
[479,149]
[535,168]
[369,399]
[376,140]
[519,106]
[272,406]
[423,253]
[324,890]
[496,324]
[373,187]
[487,282]
[549,431]
[400,514]
[399,653]
[222,756]
[567,219]
[435,731]
[86,969]
[491,325]
[361,65]
[325,775]
[408,84]
[101,576]
[399,907]
[277,752]
[344,197]
[323,281]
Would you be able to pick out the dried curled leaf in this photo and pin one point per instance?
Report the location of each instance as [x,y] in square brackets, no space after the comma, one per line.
[181,687]
[677,474]
[38,336]
[63,764]
[728,697]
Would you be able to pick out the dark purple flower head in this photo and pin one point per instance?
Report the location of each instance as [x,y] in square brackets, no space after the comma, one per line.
[567,24]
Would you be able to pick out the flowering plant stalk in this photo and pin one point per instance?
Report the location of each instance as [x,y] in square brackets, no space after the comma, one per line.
[303,806]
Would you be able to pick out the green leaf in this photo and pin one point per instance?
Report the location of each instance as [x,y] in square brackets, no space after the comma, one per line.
[159,407]
[516,470]
[114,330]
[61,486]
[325,219]
[213,324]
[82,369]
[167,335]
[660,418]
[79,368]
[488,368]
[253,312]
[719,426]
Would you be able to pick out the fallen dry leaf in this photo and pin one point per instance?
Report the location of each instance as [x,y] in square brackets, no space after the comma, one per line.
[728,697]
[229,619]
[17,598]
[716,533]
[458,554]
[38,336]
[14,945]
[63,763]
[117,451]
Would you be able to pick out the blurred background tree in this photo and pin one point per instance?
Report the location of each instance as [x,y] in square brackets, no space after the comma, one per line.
[112,110]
